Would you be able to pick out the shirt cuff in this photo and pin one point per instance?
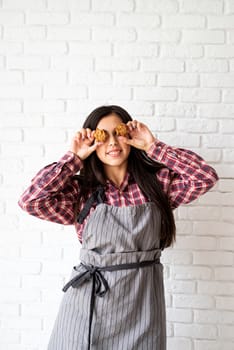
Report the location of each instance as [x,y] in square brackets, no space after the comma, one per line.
[72,161]
[158,151]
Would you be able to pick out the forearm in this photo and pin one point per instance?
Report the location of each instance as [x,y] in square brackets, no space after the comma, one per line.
[190,176]
[52,192]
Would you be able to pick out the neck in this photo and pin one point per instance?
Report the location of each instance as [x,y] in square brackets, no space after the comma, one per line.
[116,175]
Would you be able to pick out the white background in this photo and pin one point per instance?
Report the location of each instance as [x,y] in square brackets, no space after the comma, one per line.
[171,65]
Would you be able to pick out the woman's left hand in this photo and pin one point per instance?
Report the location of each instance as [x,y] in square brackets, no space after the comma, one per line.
[140,136]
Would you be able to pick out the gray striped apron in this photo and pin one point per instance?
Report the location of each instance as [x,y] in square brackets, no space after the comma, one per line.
[115,298]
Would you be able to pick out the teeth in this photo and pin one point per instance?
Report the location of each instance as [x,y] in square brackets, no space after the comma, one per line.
[114,152]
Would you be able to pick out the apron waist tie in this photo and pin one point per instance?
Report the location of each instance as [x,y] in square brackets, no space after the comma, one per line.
[99,283]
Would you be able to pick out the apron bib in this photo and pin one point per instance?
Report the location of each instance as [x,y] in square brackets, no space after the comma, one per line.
[115,298]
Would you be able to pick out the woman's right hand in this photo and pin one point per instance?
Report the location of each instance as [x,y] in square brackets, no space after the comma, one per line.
[83,143]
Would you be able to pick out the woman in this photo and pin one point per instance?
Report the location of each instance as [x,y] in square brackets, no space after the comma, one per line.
[121,204]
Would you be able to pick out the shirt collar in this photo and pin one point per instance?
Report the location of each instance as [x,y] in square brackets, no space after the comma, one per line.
[127,179]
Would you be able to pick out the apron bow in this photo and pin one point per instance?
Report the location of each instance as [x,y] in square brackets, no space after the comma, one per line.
[100,284]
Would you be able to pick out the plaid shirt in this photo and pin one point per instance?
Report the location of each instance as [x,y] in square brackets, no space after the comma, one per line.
[53,192]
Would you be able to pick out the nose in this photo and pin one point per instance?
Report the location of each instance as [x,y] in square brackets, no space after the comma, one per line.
[112,140]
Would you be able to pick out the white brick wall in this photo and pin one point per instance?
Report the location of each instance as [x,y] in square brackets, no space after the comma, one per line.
[171,64]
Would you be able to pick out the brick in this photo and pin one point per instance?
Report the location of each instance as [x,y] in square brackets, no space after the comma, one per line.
[191,273]
[200,95]
[197,126]
[21,323]
[11,77]
[227,126]
[135,50]
[91,19]
[9,135]
[183,287]
[175,110]
[202,6]
[10,150]
[20,91]
[230,39]
[164,6]
[27,62]
[193,301]
[224,141]
[162,65]
[22,120]
[207,66]
[64,91]
[212,258]
[107,5]
[68,33]
[203,213]
[219,51]
[213,316]
[24,4]
[185,21]
[91,79]
[155,93]
[228,95]
[177,258]
[43,106]
[115,34]
[225,171]
[226,185]
[9,47]
[87,49]
[134,79]
[45,77]
[182,51]
[225,303]
[217,80]
[213,345]
[158,35]
[11,310]
[226,332]
[179,315]
[11,18]
[64,5]
[224,273]
[47,48]
[9,336]
[36,253]
[218,110]
[73,63]
[203,243]
[215,227]
[179,343]
[138,20]
[178,80]
[216,288]
[203,36]
[116,64]
[110,93]
[196,331]
[25,33]
[227,215]
[39,310]
[229,6]
[47,18]
[216,22]
[10,106]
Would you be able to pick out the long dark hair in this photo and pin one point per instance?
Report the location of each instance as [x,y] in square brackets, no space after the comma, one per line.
[141,167]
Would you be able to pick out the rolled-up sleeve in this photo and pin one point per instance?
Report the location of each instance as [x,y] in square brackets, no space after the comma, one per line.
[186,175]
[53,192]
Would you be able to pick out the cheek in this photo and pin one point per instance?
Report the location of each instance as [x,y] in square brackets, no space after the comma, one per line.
[100,152]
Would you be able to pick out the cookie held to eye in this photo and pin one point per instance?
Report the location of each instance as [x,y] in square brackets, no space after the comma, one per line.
[121,129]
[100,135]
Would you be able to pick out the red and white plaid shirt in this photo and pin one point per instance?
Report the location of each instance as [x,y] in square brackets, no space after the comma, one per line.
[53,192]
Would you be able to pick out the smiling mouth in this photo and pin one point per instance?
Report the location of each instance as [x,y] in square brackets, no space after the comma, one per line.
[114,153]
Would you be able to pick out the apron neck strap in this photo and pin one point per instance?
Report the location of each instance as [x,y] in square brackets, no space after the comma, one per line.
[96,197]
